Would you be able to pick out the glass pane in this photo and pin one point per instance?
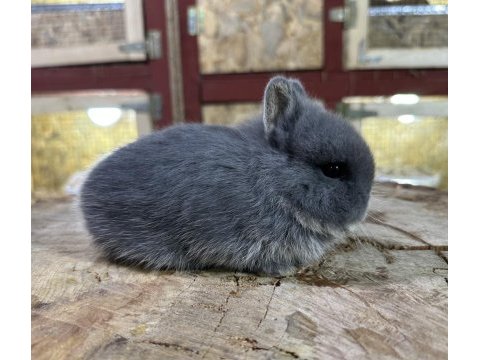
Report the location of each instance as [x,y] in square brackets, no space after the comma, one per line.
[408,148]
[57,24]
[408,24]
[411,149]
[65,143]
[250,35]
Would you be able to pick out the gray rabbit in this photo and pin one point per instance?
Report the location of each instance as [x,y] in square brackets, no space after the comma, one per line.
[268,196]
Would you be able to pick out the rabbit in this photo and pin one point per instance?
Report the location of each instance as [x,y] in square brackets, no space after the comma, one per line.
[269,196]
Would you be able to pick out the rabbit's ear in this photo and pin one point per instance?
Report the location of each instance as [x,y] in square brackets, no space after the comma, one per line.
[298,87]
[280,105]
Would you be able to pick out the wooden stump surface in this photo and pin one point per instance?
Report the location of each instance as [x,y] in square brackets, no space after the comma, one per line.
[382,295]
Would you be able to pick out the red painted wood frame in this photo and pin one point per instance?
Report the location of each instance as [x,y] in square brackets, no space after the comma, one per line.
[331,83]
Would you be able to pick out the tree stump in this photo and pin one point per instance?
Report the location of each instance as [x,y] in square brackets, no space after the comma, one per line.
[383,294]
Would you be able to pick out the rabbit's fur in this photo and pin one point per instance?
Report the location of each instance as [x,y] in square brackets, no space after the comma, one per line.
[268,196]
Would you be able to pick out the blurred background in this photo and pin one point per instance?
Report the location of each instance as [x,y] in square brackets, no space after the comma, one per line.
[105,72]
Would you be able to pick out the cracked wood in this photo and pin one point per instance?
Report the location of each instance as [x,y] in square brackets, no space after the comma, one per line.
[383,294]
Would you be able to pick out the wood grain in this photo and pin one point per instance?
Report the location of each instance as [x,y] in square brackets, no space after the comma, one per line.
[379,296]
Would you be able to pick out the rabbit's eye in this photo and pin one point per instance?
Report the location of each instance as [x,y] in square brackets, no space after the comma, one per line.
[335,170]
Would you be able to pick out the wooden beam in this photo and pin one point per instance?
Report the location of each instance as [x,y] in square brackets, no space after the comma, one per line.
[330,86]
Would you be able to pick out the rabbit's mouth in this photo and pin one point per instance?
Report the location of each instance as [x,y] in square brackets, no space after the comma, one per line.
[312,224]
[317,227]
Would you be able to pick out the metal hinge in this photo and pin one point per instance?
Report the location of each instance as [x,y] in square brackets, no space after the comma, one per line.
[347,14]
[152,45]
[154,106]
[349,113]
[195,20]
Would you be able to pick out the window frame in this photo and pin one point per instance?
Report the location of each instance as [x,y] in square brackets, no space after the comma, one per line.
[358,56]
[98,53]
